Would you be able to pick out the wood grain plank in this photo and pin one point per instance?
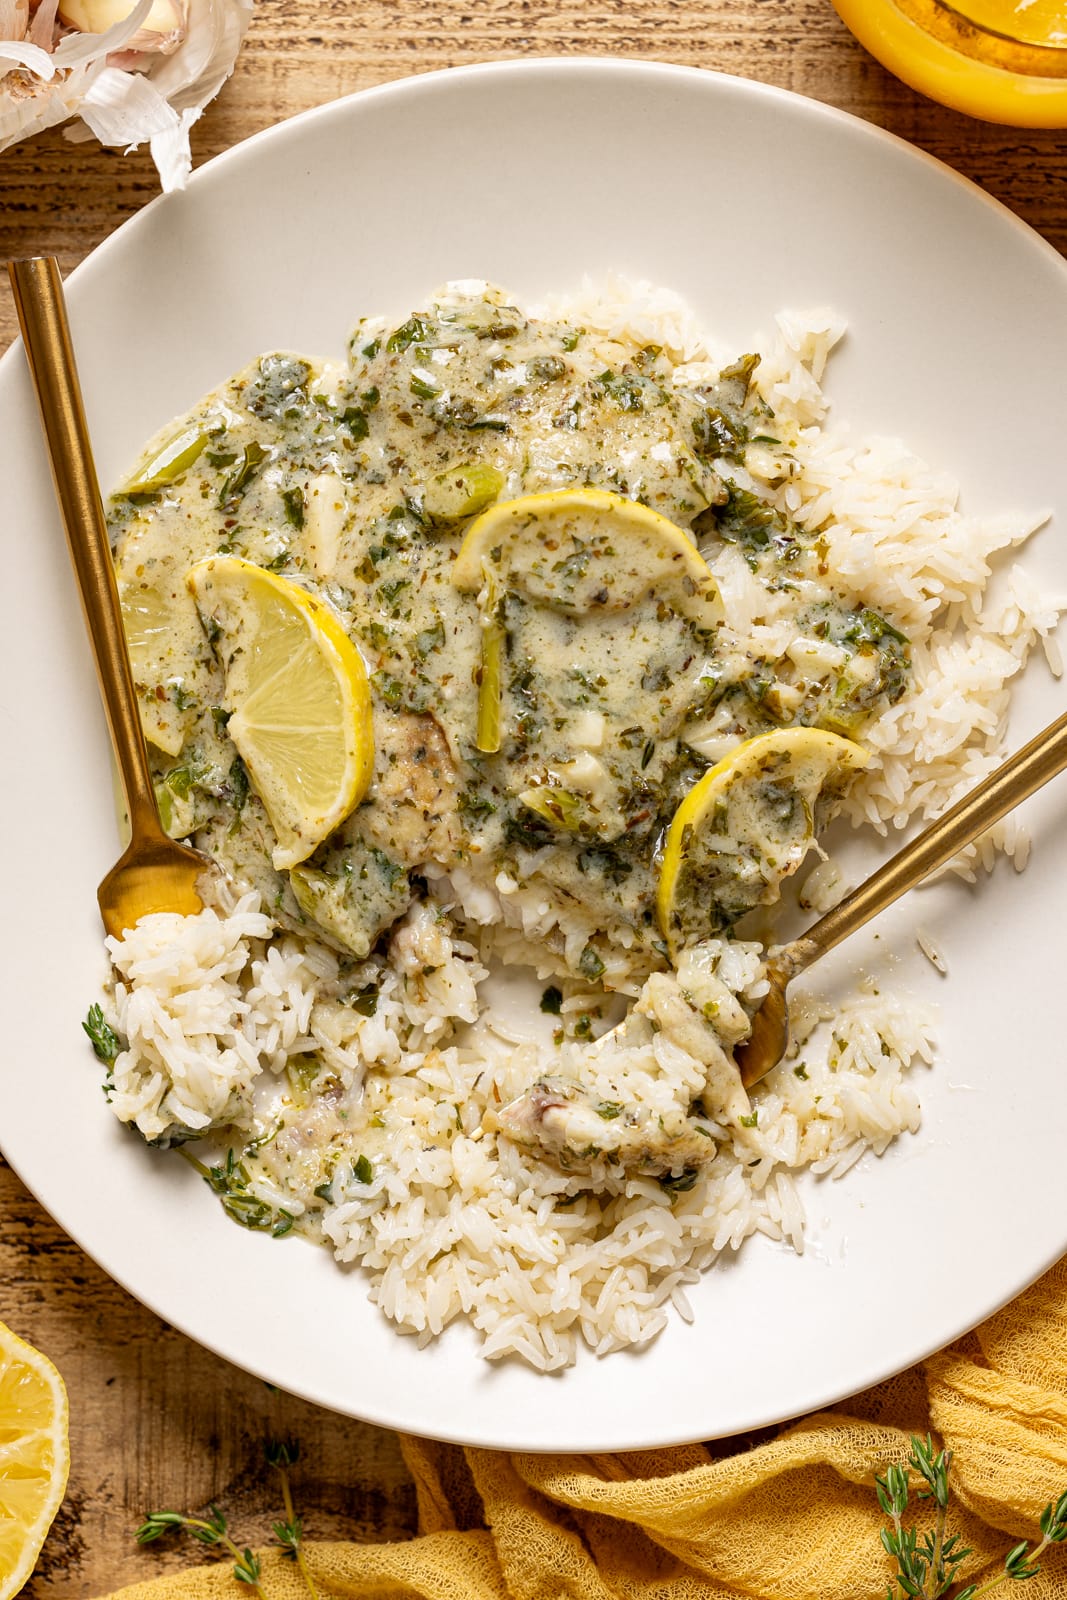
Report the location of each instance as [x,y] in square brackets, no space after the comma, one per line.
[155,1420]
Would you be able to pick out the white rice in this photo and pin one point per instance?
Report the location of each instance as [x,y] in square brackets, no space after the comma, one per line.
[449,1220]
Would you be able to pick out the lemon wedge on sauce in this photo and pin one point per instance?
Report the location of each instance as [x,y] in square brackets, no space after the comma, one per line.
[585,550]
[34,1458]
[298,696]
[747,825]
[149,619]
[579,551]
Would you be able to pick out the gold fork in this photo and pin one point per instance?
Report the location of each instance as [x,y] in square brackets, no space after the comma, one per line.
[1020,776]
[154,873]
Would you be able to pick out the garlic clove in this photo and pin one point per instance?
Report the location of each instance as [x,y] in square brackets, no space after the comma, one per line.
[96,16]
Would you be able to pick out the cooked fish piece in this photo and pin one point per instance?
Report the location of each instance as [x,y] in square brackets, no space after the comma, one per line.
[573,1126]
[416,788]
[666,1006]
[650,1096]
[357,885]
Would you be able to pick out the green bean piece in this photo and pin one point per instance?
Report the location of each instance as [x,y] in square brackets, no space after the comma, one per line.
[461,491]
[169,462]
[490,684]
[557,806]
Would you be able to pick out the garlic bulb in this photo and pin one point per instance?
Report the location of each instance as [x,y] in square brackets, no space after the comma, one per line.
[127,75]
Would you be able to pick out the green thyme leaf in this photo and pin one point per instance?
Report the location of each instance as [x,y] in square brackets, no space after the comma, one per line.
[103,1038]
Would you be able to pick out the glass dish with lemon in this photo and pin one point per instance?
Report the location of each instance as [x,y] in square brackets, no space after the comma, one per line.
[1000,60]
[543,645]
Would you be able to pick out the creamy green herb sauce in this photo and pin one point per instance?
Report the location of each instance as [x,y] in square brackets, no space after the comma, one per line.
[360,480]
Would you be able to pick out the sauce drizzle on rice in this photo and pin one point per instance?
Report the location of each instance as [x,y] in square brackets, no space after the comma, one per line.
[330,1032]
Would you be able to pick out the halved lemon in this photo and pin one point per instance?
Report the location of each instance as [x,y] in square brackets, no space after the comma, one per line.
[34,1456]
[298,696]
[585,550]
[746,825]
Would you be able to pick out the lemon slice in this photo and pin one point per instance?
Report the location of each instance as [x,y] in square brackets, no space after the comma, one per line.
[34,1456]
[584,550]
[746,825]
[580,551]
[298,694]
[152,621]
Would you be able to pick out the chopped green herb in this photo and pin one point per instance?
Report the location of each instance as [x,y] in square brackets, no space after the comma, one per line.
[249,461]
[430,639]
[680,1183]
[627,391]
[390,870]
[239,786]
[231,1182]
[355,419]
[589,964]
[293,500]
[715,434]
[472,804]
[417,330]
[609,1110]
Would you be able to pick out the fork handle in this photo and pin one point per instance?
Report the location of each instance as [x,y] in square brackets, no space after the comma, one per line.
[42,315]
[1005,788]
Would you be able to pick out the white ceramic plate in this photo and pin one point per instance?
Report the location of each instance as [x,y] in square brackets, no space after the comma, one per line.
[746,200]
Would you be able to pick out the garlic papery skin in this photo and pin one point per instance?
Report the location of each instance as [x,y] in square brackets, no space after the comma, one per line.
[126,76]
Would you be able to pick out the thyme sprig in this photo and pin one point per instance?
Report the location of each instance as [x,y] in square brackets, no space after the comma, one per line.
[927,1566]
[214,1530]
[102,1036]
[282,1454]
[232,1182]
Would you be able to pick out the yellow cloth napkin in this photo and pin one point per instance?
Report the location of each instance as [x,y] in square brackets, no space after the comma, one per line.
[794,1518]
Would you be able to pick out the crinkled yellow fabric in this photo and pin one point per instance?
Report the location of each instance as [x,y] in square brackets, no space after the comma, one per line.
[794,1518]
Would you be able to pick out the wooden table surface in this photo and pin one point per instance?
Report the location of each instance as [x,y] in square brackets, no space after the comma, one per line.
[155,1420]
